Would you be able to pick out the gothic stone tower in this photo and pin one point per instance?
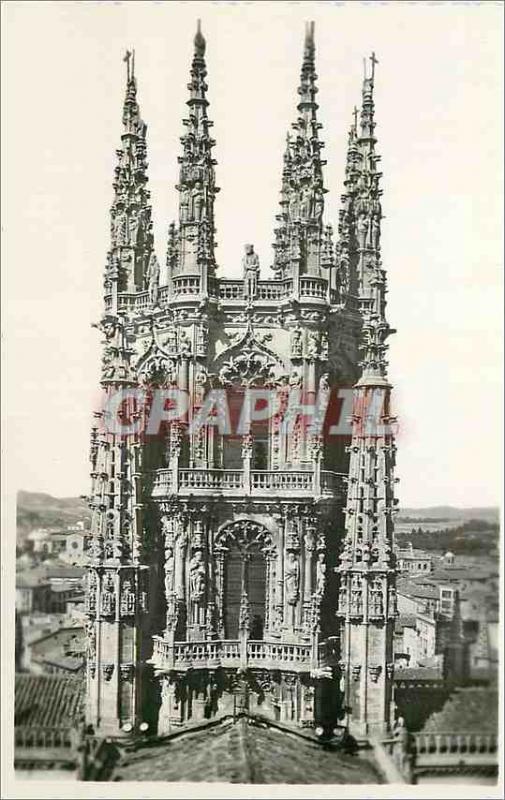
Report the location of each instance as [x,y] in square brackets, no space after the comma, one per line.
[242,561]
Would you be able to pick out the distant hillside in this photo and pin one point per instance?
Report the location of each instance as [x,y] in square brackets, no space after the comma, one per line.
[38,510]
[448,513]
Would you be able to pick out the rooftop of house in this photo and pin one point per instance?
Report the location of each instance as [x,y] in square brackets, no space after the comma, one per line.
[31,578]
[467,710]
[429,673]
[72,664]
[417,589]
[247,750]
[405,621]
[51,701]
[44,573]
[413,552]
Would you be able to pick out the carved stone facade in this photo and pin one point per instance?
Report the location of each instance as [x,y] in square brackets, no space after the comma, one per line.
[214,579]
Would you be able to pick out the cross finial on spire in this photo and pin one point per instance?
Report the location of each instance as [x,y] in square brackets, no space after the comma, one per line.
[373,61]
[126,58]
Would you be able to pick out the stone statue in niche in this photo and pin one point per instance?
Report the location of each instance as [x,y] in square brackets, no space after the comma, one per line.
[171,340]
[361,230]
[292,577]
[313,344]
[251,269]
[197,576]
[127,598]
[108,605]
[185,345]
[184,199]
[197,202]
[153,279]
[320,574]
[342,598]
[306,202]
[376,600]
[296,342]
[356,595]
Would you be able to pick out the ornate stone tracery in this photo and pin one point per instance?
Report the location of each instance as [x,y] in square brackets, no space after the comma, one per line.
[225,556]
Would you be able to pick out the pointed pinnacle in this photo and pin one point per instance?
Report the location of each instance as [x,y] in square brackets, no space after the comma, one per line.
[309,36]
[199,40]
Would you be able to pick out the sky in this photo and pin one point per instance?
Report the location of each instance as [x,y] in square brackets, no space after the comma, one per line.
[438,110]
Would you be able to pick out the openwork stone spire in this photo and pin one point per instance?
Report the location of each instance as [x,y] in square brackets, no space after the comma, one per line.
[191,247]
[367,598]
[131,224]
[298,239]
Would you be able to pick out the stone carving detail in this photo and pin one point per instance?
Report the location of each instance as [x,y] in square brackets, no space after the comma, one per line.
[320,574]
[197,576]
[107,671]
[376,598]
[251,269]
[108,604]
[356,672]
[292,578]
[127,599]
[153,279]
[91,593]
[126,672]
[374,671]
[296,342]
[356,595]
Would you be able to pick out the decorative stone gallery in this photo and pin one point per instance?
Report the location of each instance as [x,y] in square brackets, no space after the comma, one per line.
[249,568]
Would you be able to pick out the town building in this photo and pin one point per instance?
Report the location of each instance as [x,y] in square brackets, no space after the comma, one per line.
[412,560]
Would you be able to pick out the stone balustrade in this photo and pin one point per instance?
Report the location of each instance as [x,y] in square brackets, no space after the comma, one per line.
[432,746]
[257,482]
[269,291]
[231,653]
[44,738]
[314,288]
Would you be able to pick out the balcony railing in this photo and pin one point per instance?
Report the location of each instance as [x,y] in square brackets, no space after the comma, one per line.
[231,653]
[269,291]
[313,287]
[436,747]
[257,482]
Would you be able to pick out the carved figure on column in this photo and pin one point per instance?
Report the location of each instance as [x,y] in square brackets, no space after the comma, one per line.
[197,197]
[320,574]
[197,576]
[127,599]
[292,578]
[108,605]
[153,279]
[251,268]
[169,570]
[296,342]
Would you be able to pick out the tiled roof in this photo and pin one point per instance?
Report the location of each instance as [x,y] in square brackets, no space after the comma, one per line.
[31,578]
[467,711]
[418,673]
[48,701]
[405,621]
[245,751]
[423,591]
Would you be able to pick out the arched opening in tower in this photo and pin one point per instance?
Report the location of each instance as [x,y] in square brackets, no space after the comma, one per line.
[245,576]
